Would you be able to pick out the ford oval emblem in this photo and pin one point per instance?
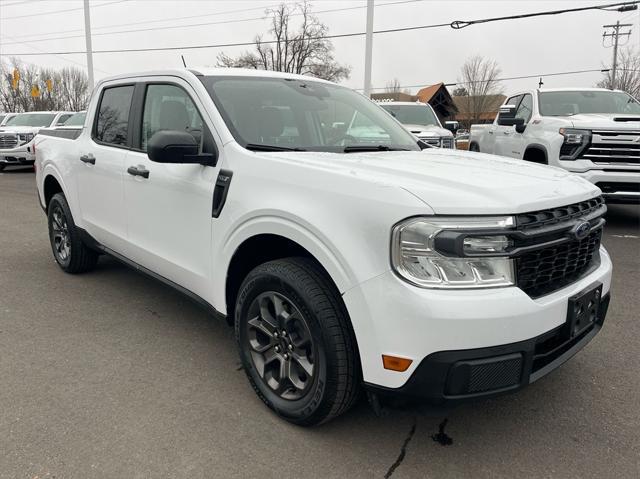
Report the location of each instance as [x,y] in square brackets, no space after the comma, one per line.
[581,230]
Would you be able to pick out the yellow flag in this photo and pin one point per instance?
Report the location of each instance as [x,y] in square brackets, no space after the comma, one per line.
[16,79]
[35,91]
[49,85]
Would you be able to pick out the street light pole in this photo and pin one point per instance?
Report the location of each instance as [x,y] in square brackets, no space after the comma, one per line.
[87,34]
[368,50]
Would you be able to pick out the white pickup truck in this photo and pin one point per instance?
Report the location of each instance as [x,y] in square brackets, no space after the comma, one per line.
[341,263]
[592,132]
[18,132]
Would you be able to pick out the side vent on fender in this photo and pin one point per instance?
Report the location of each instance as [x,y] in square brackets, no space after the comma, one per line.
[220,191]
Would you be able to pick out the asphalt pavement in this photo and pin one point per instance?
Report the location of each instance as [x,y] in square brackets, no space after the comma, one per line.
[113,375]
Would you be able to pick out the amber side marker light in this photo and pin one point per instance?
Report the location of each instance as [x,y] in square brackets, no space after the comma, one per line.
[396,364]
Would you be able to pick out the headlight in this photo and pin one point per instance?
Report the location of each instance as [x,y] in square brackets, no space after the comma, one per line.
[574,142]
[416,257]
[25,137]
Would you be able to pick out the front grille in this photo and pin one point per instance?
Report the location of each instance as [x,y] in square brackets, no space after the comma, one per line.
[552,256]
[557,215]
[613,147]
[447,143]
[545,270]
[8,141]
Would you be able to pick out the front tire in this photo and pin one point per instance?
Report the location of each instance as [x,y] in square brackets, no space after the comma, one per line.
[295,341]
[71,254]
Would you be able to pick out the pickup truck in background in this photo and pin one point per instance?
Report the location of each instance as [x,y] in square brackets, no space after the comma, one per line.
[420,119]
[18,133]
[592,132]
[341,262]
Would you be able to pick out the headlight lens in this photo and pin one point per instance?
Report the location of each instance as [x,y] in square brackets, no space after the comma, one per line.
[416,260]
[574,142]
[25,137]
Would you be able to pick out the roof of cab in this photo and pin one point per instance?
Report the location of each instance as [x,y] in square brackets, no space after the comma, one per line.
[207,71]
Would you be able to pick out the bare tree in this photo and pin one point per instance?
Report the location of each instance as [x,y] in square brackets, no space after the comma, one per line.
[627,74]
[393,86]
[460,91]
[304,50]
[479,77]
[69,88]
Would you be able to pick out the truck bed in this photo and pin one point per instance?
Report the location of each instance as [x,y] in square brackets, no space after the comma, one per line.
[69,134]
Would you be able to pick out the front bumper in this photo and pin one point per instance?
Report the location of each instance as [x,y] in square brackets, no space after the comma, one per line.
[617,185]
[451,377]
[391,317]
[20,155]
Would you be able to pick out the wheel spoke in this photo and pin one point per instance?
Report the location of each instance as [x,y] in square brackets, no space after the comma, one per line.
[303,362]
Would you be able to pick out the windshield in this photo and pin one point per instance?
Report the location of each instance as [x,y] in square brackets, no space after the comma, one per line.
[274,114]
[76,120]
[31,119]
[567,103]
[418,114]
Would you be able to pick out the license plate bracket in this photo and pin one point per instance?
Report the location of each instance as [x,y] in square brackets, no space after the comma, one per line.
[583,310]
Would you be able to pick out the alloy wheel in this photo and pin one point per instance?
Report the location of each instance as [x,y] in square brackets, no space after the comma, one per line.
[281,346]
[61,239]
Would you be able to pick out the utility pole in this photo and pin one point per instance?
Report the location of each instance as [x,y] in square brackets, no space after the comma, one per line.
[368,50]
[87,35]
[615,35]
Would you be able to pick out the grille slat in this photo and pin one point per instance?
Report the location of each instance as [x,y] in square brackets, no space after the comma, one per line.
[8,141]
[548,269]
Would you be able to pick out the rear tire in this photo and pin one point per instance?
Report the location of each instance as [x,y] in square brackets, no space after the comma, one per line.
[295,341]
[71,254]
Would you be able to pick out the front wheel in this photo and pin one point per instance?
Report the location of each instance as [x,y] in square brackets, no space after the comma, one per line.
[71,254]
[295,341]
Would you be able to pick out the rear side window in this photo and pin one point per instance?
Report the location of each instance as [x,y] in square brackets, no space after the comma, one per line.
[113,116]
[168,107]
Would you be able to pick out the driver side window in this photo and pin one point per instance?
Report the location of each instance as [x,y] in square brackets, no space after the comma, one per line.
[169,107]
[525,109]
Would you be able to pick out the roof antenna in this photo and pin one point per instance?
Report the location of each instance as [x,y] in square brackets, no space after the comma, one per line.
[540,83]
[183,62]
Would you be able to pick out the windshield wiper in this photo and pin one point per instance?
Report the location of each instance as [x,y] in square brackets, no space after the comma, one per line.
[358,148]
[260,147]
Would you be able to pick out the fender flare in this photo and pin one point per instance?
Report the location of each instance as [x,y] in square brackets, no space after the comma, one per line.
[537,146]
[292,229]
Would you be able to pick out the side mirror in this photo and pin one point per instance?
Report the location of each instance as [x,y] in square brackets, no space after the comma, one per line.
[452,126]
[176,146]
[507,117]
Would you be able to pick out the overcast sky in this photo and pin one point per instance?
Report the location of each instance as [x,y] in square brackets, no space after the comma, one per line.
[559,43]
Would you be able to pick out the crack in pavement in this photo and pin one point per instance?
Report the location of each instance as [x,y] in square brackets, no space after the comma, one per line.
[403,451]
[442,437]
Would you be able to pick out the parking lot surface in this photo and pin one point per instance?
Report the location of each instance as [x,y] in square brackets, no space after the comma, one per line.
[111,374]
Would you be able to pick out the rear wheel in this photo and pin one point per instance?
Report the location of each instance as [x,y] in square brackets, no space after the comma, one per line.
[71,254]
[295,341]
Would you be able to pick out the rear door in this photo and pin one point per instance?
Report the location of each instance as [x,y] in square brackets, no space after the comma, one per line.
[169,211]
[100,166]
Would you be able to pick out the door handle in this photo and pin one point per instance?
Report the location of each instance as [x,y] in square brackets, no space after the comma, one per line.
[135,171]
[506,132]
[88,159]
[490,132]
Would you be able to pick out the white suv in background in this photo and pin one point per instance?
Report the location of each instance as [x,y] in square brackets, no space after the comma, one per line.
[17,134]
[420,119]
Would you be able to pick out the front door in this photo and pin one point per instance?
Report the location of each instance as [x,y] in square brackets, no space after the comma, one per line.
[169,211]
[505,136]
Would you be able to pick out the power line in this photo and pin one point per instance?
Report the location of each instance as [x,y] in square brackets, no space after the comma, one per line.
[208,23]
[17,3]
[458,24]
[61,57]
[61,11]
[521,77]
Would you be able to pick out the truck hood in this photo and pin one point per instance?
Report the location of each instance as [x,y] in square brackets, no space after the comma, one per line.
[609,121]
[456,182]
[428,130]
[20,129]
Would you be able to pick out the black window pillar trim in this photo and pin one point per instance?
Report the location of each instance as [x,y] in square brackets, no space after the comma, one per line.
[135,116]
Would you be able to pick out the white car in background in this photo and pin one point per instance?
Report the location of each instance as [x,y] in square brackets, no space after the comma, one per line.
[420,119]
[5,117]
[17,134]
